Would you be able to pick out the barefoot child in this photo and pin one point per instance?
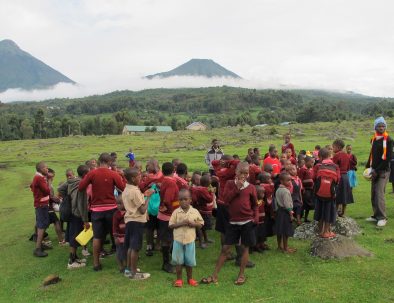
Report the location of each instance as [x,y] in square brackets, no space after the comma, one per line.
[284,210]
[184,221]
[135,219]
[325,211]
[119,230]
[241,199]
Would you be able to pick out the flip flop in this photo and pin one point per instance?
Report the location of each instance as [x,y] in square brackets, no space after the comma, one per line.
[192,282]
[240,281]
[208,280]
[178,283]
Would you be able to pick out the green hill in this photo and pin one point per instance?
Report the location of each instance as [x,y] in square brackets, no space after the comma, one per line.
[197,67]
[19,69]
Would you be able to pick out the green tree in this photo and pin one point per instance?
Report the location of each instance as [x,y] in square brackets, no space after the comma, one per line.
[26,129]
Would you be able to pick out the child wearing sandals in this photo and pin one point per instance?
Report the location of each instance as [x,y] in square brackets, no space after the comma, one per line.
[240,198]
[184,221]
[284,211]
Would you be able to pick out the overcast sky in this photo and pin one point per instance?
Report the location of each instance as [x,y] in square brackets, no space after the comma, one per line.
[107,45]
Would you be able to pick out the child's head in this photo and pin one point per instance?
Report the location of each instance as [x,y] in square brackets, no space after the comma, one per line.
[317,147]
[292,170]
[250,151]
[105,159]
[330,149]
[133,176]
[324,154]
[215,143]
[288,153]
[114,166]
[175,163]
[256,150]
[285,179]
[338,145]
[138,165]
[130,150]
[167,168]
[196,177]
[225,158]
[152,166]
[235,157]
[268,168]
[82,170]
[51,174]
[287,138]
[309,161]
[242,171]
[260,192]
[42,168]
[92,164]
[273,152]
[349,149]
[119,202]
[185,198]
[114,156]
[255,159]
[302,152]
[264,178]
[181,170]
[283,159]
[205,181]
[69,173]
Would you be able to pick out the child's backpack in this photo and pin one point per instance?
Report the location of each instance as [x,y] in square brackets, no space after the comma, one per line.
[326,182]
[65,211]
[154,202]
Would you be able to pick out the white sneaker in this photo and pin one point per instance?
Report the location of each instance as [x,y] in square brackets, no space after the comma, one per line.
[75,264]
[85,252]
[382,223]
[371,219]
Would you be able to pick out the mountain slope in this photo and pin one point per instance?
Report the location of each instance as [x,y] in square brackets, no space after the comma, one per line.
[197,67]
[19,69]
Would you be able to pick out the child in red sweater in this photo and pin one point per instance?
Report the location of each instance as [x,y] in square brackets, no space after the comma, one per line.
[119,231]
[306,175]
[273,160]
[241,199]
[41,192]
[269,222]
[203,197]
[296,192]
[259,229]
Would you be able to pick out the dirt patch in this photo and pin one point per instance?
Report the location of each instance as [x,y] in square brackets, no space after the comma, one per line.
[3,165]
[337,248]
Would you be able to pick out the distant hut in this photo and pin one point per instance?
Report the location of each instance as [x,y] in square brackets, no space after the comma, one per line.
[196,126]
[133,129]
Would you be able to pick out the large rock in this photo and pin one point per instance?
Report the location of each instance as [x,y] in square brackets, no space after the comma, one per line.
[343,226]
[337,248]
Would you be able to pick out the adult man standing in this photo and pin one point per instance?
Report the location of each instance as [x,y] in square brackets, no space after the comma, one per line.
[379,162]
[215,153]
[103,203]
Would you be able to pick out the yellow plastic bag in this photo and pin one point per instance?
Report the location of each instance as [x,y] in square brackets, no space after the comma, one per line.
[85,236]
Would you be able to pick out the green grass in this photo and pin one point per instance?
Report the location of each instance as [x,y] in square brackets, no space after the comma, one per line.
[276,277]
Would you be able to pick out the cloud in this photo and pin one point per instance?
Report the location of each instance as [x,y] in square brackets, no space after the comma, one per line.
[108,45]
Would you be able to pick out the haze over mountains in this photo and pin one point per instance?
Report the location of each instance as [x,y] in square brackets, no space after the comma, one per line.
[197,67]
[19,69]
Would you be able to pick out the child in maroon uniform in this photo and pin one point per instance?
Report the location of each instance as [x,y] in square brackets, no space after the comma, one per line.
[260,234]
[306,175]
[344,194]
[289,154]
[254,169]
[296,192]
[41,192]
[269,222]
[288,145]
[203,198]
[352,167]
[168,203]
[241,199]
[181,177]
[119,231]
[273,160]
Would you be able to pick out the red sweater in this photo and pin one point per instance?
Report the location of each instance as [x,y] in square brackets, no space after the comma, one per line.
[306,174]
[224,174]
[241,203]
[103,182]
[118,225]
[275,162]
[202,199]
[287,146]
[40,188]
[168,196]
[150,179]
[254,170]
[181,183]
[342,160]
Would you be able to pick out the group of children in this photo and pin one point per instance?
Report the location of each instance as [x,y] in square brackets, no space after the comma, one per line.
[248,201]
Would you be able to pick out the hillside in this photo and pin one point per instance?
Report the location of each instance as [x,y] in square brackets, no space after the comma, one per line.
[197,67]
[19,69]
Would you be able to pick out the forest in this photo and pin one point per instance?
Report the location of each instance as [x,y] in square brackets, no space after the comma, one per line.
[214,106]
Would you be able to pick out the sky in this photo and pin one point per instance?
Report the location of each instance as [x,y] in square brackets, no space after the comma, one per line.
[110,45]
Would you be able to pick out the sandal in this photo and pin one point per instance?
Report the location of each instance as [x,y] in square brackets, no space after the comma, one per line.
[240,281]
[209,280]
[192,282]
[178,283]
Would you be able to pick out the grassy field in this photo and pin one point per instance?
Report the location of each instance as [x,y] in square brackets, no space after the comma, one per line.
[276,277]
